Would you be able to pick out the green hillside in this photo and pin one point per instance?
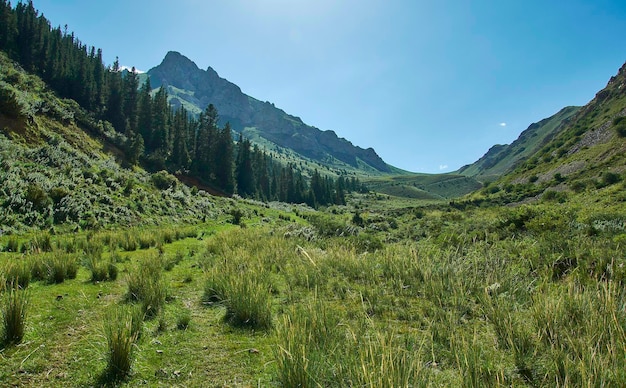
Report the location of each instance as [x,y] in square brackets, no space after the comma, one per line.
[587,156]
[61,168]
[424,186]
[501,159]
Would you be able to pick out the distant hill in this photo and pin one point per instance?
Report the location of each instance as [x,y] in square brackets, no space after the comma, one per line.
[501,159]
[585,157]
[261,122]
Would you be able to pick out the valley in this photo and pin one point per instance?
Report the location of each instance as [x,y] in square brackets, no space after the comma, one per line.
[135,251]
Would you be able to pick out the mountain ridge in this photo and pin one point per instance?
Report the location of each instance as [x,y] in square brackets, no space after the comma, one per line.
[503,158]
[193,88]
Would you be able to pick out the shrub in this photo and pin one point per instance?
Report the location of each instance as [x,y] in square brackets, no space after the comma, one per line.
[14,316]
[610,178]
[237,215]
[163,180]
[619,124]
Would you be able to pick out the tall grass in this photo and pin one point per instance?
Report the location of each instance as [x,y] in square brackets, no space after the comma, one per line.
[146,285]
[14,316]
[310,346]
[245,295]
[61,266]
[122,329]
[17,273]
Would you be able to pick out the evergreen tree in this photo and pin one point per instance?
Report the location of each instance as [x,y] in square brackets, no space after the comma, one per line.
[115,101]
[160,136]
[8,27]
[224,160]
[203,164]
[144,115]
[180,158]
[243,170]
[131,100]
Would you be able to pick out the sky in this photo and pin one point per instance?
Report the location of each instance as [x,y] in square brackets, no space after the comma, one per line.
[430,85]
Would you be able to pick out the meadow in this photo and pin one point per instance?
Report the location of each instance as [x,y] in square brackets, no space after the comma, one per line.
[426,296]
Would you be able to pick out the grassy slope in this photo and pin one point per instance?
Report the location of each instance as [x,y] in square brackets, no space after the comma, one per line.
[502,159]
[587,155]
[59,168]
[424,186]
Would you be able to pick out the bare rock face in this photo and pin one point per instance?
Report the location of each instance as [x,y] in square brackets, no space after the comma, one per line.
[187,84]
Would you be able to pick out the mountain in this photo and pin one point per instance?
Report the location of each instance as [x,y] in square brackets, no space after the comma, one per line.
[261,122]
[501,159]
[584,158]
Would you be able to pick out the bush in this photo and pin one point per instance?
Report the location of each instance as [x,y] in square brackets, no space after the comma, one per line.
[619,124]
[610,178]
[163,180]
[14,316]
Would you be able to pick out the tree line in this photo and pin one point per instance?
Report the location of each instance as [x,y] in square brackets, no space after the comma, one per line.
[158,136]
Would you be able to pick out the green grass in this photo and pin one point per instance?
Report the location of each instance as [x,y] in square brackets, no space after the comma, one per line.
[485,297]
[14,308]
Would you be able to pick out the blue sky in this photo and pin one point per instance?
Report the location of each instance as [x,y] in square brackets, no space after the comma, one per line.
[430,85]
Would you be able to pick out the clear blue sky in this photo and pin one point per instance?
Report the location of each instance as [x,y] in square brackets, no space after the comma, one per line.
[430,85]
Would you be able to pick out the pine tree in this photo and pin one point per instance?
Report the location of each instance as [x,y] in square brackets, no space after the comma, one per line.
[144,115]
[203,164]
[8,27]
[115,112]
[224,160]
[180,158]
[243,170]
[131,100]
[160,136]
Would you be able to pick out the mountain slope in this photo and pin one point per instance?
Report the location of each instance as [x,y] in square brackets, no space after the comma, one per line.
[585,160]
[58,168]
[501,159]
[195,89]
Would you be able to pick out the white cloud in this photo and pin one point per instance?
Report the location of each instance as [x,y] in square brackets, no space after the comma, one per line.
[130,68]
[443,167]
[503,124]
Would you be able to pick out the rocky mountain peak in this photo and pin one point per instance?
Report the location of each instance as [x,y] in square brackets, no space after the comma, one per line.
[196,89]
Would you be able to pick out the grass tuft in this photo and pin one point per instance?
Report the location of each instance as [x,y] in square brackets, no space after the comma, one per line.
[122,329]
[146,285]
[14,316]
